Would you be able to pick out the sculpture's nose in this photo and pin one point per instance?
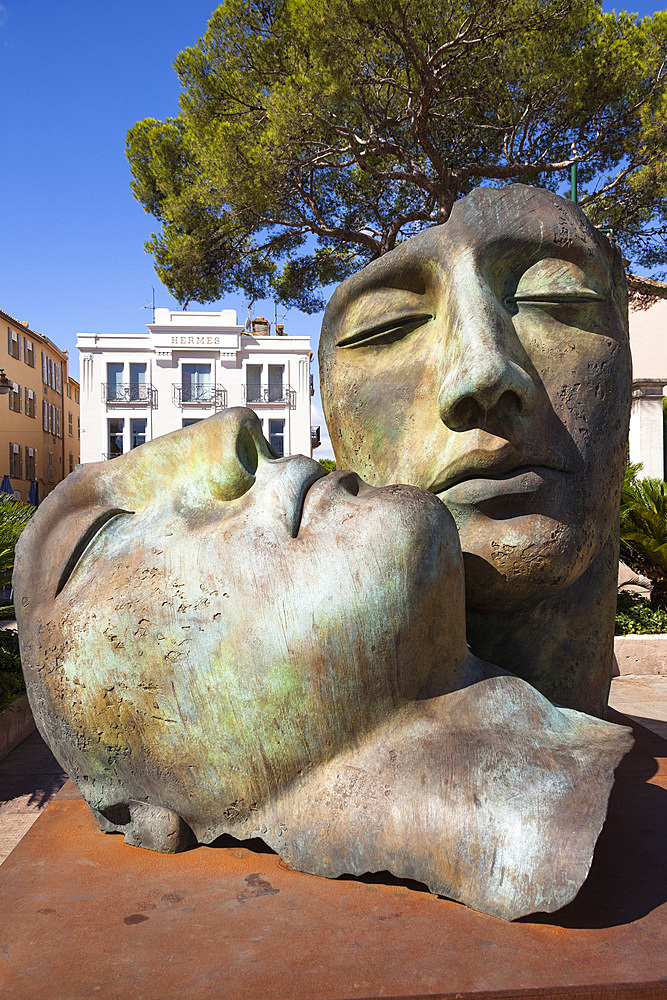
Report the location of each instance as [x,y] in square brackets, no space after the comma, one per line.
[243,458]
[484,377]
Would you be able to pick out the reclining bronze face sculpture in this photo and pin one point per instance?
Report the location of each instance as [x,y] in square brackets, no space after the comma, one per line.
[216,640]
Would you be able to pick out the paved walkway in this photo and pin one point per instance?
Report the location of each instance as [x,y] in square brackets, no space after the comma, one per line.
[30,776]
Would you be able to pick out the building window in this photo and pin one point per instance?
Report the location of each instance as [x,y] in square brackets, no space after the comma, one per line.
[192,420]
[76,395]
[138,382]
[29,352]
[196,384]
[115,435]
[30,463]
[71,462]
[15,397]
[14,344]
[276,373]
[253,391]
[115,381]
[15,461]
[50,466]
[30,402]
[70,427]
[69,391]
[277,436]
[78,427]
[51,419]
[137,432]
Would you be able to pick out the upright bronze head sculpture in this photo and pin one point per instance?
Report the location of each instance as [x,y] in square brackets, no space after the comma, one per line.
[487,361]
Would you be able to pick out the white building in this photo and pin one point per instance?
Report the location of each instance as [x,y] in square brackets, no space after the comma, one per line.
[136,387]
[648,343]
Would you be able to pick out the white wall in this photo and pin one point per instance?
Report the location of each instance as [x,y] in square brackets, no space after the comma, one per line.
[648,344]
[178,338]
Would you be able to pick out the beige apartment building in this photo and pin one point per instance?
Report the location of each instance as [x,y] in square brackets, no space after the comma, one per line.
[39,417]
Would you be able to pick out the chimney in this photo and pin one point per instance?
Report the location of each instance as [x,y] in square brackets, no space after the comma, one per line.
[280,330]
[261,327]
[24,322]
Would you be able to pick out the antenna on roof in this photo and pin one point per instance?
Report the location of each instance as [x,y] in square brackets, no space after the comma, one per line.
[150,305]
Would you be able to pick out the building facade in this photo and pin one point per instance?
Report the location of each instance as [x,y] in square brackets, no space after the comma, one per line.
[648,343]
[190,365]
[40,426]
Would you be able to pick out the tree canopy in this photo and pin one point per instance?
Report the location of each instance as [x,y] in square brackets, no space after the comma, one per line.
[313,135]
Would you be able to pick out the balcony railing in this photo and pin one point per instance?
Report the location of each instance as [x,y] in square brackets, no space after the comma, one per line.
[201,395]
[315,441]
[272,394]
[106,456]
[135,394]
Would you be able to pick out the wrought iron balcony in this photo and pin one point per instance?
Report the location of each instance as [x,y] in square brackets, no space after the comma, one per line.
[134,394]
[107,456]
[315,441]
[272,394]
[202,395]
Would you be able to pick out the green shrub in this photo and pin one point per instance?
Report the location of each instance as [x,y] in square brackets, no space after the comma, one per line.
[636,616]
[14,516]
[11,675]
[328,464]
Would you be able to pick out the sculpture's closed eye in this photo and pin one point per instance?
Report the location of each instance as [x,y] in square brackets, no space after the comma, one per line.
[85,540]
[385,333]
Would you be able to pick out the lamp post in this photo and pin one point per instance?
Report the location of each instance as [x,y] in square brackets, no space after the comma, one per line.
[573,177]
[5,384]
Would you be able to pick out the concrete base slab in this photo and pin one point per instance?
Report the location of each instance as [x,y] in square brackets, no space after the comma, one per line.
[84,915]
[641,655]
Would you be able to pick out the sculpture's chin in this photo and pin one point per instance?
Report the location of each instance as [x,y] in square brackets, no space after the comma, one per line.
[517,563]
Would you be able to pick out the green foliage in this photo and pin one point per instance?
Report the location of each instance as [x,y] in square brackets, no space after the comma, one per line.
[328,463]
[13,518]
[313,135]
[11,675]
[644,529]
[635,616]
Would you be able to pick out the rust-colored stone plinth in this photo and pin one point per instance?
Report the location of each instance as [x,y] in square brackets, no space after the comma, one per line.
[84,915]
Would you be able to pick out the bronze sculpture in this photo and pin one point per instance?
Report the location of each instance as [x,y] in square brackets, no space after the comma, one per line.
[488,361]
[219,641]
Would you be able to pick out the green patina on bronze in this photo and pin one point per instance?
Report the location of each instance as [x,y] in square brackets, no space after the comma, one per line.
[219,641]
[496,346]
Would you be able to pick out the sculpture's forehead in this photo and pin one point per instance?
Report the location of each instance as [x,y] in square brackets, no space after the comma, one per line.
[499,227]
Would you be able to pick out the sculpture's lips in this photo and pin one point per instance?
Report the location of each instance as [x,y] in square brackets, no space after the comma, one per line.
[502,466]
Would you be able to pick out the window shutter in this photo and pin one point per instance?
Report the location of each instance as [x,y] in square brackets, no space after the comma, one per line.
[45,377]
[45,414]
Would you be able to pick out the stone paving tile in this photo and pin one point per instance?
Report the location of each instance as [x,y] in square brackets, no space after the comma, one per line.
[644,699]
[29,778]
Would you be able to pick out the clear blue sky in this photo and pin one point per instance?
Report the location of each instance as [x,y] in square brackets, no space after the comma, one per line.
[76,74]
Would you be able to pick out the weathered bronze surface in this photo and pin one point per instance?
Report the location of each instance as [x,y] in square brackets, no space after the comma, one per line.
[218,641]
[487,361]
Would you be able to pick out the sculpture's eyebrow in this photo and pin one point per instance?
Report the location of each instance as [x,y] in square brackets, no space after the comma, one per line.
[531,248]
[398,274]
